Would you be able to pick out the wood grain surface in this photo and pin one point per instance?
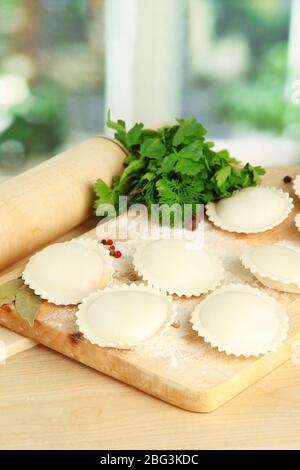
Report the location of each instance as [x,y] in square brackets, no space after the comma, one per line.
[13,342]
[45,202]
[50,402]
[209,381]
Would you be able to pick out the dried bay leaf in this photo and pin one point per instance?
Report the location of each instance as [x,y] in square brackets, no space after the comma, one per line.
[26,301]
[27,304]
[8,291]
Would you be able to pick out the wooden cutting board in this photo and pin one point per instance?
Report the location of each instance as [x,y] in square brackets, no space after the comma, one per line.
[182,369]
[12,343]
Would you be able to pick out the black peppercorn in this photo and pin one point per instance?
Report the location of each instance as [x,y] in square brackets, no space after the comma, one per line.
[287,179]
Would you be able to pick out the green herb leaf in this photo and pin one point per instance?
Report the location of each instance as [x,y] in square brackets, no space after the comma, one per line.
[148,176]
[173,164]
[9,290]
[188,167]
[193,151]
[169,162]
[153,148]
[257,172]
[133,167]
[105,194]
[187,130]
[134,135]
[27,304]
[167,191]
[222,175]
[208,144]
[119,126]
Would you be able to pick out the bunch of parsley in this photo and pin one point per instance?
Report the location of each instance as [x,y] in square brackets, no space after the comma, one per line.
[173,165]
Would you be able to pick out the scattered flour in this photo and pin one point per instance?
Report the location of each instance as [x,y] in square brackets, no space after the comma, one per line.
[180,346]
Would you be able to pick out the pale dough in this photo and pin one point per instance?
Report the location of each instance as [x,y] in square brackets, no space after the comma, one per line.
[178,266]
[251,210]
[241,320]
[276,266]
[125,316]
[65,273]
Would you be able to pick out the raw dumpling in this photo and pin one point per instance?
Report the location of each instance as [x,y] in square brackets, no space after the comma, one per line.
[125,316]
[178,266]
[65,273]
[276,266]
[241,320]
[251,210]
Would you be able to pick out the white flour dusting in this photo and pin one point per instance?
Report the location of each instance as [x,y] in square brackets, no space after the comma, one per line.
[180,345]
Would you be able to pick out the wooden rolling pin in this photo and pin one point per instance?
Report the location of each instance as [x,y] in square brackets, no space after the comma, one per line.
[43,203]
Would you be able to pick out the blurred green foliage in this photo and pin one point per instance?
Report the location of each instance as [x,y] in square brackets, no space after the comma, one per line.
[9,4]
[38,123]
[258,99]
[74,14]
[262,23]
[261,102]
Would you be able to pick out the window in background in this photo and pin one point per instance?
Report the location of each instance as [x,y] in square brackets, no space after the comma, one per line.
[51,77]
[235,62]
[238,67]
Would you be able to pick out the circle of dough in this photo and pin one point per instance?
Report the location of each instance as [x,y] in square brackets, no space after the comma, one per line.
[64,273]
[241,320]
[276,266]
[251,210]
[178,266]
[125,316]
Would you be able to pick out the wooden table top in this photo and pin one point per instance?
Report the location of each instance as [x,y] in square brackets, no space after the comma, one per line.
[51,402]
